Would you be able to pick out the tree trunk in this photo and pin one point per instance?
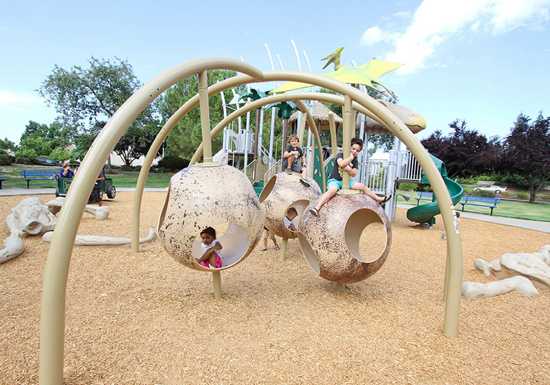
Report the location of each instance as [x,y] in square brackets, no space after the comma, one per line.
[532,193]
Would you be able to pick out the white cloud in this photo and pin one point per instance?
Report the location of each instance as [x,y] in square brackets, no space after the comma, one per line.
[510,14]
[376,35]
[435,21]
[18,101]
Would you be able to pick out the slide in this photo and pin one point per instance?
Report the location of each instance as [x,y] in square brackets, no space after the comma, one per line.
[426,213]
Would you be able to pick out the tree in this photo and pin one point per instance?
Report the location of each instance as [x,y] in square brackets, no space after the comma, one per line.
[43,140]
[527,153]
[187,134]
[464,151]
[87,97]
[7,144]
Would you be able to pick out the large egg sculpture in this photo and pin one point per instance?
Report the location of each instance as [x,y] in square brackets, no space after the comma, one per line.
[282,192]
[331,242]
[221,197]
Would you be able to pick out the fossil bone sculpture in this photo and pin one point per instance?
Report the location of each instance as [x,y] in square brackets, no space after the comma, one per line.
[32,216]
[526,269]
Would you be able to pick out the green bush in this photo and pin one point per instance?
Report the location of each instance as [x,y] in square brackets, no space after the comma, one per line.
[126,168]
[137,168]
[59,154]
[408,186]
[479,193]
[523,195]
[173,163]
[26,159]
[5,159]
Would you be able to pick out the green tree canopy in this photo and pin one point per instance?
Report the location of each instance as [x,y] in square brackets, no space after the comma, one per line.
[86,98]
[7,144]
[43,140]
[187,135]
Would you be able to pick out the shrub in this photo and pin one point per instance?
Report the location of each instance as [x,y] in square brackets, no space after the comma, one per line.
[137,168]
[480,193]
[126,168]
[173,163]
[26,159]
[5,159]
[408,186]
[523,195]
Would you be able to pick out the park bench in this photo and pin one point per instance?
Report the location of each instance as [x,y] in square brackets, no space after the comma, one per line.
[1,180]
[424,196]
[480,201]
[29,175]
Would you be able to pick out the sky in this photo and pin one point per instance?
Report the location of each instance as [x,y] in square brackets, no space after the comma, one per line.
[482,61]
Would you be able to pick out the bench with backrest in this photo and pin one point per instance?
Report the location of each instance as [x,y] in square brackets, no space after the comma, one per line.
[480,201]
[424,196]
[29,175]
[1,180]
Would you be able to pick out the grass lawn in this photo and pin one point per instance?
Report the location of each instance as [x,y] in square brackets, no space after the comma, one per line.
[539,211]
[120,179]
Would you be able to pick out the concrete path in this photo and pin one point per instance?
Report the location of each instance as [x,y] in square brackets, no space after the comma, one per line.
[531,225]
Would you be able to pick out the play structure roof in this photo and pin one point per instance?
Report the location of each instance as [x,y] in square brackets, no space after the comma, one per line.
[320,115]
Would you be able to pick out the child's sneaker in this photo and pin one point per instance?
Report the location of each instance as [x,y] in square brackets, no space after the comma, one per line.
[277,247]
[288,171]
[386,199]
[304,182]
[264,249]
[314,211]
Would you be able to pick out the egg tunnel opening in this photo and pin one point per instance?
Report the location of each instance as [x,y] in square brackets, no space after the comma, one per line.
[234,240]
[300,206]
[365,235]
[309,254]
[267,188]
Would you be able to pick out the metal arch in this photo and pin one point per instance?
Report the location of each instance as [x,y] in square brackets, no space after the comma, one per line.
[454,258]
[52,324]
[56,271]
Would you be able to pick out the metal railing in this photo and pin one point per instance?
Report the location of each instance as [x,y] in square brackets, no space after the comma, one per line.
[249,170]
[410,169]
[375,175]
[272,171]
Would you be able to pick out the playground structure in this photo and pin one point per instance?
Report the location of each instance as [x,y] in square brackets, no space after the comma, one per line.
[426,213]
[55,279]
[195,201]
[282,192]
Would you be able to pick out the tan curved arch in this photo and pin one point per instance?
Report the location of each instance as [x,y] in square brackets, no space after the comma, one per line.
[57,265]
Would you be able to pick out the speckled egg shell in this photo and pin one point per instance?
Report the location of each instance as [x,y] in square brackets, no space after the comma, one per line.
[284,191]
[330,242]
[219,197]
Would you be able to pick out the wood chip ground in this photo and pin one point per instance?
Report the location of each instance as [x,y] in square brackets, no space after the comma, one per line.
[145,319]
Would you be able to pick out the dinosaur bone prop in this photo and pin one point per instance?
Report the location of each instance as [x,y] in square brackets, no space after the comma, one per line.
[531,266]
[99,212]
[98,240]
[30,217]
[480,290]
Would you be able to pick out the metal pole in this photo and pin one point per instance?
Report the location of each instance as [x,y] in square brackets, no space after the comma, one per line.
[205,117]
